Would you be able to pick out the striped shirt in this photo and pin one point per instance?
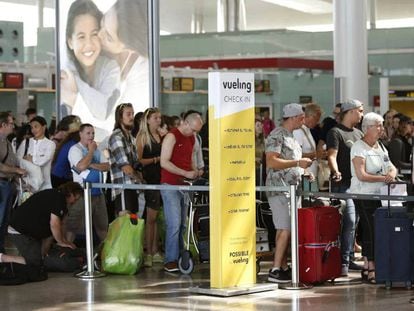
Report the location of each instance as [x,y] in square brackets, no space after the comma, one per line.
[122,151]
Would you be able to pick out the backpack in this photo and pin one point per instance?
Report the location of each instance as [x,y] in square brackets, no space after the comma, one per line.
[64,259]
[12,273]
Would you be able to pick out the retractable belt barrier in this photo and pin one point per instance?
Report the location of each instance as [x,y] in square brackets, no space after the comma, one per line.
[292,189]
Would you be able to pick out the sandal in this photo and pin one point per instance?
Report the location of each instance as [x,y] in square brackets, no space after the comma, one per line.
[371,280]
[364,274]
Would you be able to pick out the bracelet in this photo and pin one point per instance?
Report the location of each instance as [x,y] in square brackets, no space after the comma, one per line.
[155,160]
[297,163]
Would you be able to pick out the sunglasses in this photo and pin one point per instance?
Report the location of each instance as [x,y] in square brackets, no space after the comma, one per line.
[123,106]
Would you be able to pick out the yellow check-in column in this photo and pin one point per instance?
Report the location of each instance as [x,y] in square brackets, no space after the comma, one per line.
[232,180]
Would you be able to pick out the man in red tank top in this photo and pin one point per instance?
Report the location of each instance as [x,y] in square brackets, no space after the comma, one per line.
[177,164]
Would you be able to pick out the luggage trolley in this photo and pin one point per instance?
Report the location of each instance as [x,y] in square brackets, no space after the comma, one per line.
[196,199]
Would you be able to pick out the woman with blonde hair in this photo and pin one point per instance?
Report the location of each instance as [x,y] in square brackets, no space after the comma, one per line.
[148,143]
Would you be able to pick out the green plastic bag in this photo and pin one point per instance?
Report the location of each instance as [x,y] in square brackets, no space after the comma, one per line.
[122,251]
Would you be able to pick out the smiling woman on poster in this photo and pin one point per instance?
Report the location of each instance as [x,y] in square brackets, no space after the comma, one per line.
[90,82]
[124,36]
[104,67]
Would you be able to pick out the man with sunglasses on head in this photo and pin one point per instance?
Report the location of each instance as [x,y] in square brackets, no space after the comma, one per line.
[8,170]
[123,158]
[339,141]
[285,165]
[176,165]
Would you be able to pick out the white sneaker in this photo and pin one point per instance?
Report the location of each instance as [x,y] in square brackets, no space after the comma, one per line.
[344,270]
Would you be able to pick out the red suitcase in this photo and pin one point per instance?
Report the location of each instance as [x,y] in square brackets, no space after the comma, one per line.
[319,252]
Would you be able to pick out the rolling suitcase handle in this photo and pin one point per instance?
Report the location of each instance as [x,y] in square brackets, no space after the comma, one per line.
[389,193]
[313,201]
[302,183]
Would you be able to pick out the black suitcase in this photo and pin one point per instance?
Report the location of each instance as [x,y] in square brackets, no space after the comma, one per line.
[264,220]
[203,232]
[394,246]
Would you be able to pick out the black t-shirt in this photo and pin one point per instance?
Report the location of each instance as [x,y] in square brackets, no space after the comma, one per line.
[32,218]
[316,133]
[400,152]
[341,138]
[152,172]
[204,135]
[327,124]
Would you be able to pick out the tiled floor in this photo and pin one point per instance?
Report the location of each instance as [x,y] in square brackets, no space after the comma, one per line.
[153,289]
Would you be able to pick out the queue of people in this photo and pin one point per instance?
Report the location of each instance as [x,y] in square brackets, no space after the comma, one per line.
[152,156]
[362,153]
[356,153]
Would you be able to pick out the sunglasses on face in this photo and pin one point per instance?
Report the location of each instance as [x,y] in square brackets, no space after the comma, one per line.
[126,105]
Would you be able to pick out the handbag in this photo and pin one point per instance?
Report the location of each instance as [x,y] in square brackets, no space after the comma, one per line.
[34,177]
[23,192]
[122,251]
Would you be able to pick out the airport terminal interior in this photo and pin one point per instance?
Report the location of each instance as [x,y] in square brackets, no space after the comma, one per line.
[291,47]
[153,289]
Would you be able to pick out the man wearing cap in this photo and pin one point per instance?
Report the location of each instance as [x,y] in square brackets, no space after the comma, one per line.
[339,142]
[285,166]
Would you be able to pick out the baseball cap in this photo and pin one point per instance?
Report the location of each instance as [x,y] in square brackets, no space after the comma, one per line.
[292,110]
[350,104]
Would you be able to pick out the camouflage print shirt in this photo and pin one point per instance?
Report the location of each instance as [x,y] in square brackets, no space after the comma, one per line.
[281,141]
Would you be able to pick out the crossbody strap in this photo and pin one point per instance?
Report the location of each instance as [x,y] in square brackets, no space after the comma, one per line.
[7,153]
[309,140]
[26,147]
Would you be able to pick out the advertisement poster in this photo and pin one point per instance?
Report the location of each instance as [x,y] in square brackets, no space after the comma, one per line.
[232,182]
[103,59]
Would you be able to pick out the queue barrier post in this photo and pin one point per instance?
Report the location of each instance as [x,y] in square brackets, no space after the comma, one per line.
[90,272]
[295,284]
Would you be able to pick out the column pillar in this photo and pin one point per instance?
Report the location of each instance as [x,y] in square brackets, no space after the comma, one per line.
[384,95]
[197,18]
[373,14]
[222,16]
[350,50]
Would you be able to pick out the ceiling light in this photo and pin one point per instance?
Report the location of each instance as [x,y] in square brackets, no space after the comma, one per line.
[306,6]
[395,23]
[312,28]
[164,33]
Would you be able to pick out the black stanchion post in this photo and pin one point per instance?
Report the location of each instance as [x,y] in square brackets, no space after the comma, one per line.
[90,273]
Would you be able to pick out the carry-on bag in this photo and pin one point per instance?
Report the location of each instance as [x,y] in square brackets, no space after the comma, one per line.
[319,252]
[394,246]
[122,251]
[64,259]
[203,230]
[12,273]
[264,219]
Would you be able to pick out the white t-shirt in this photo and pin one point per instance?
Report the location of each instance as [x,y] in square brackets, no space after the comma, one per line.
[305,139]
[377,162]
[42,151]
[76,154]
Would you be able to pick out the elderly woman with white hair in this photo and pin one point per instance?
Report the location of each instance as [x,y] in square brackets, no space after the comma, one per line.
[371,168]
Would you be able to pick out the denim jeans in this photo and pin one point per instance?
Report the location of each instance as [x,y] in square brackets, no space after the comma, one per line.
[175,212]
[349,221]
[6,195]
